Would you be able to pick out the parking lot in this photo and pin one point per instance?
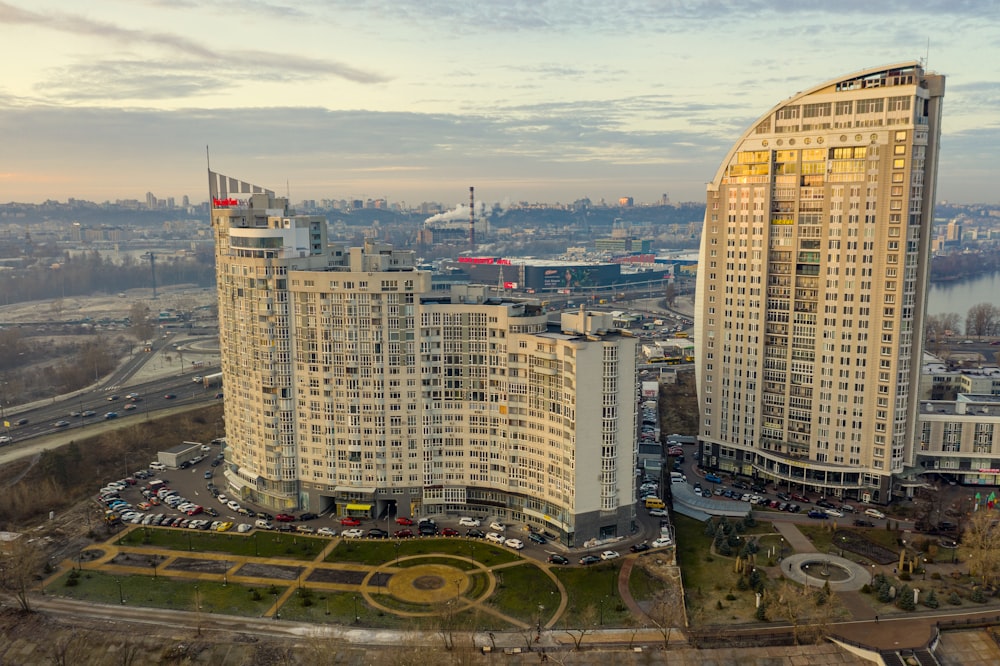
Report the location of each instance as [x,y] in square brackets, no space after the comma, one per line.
[195,497]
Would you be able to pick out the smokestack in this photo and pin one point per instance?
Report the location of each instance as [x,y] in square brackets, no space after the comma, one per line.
[472,219]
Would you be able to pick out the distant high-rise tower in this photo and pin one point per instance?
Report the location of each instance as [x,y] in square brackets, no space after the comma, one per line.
[812,283]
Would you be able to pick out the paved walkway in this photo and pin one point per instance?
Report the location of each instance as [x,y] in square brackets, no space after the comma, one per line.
[798,541]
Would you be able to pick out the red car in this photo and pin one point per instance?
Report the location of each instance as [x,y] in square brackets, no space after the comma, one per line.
[284,518]
[349,521]
[403,520]
[403,534]
[449,532]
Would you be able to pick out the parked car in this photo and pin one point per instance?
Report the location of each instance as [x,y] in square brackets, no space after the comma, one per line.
[498,526]
[858,522]
[285,518]
[403,534]
[353,533]
[350,521]
[403,520]
[610,555]
[494,537]
[639,547]
[819,515]
[537,538]
[327,531]
[466,521]
[516,544]
[308,516]
[475,534]
[833,513]
[427,529]
[874,513]
[449,532]
[662,542]
[557,559]
[589,559]
[660,513]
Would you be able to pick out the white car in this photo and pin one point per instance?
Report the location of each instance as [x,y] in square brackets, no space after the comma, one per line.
[610,555]
[498,526]
[658,513]
[663,541]
[232,504]
[244,527]
[222,498]
[206,447]
[516,544]
[833,513]
[494,537]
[353,533]
[158,466]
[327,531]
[469,522]
[874,513]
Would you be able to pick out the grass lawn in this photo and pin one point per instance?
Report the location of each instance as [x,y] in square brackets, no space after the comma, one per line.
[593,596]
[256,543]
[163,592]
[522,589]
[643,585]
[709,579]
[375,552]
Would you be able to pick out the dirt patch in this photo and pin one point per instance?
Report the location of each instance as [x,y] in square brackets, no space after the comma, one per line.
[270,571]
[337,576]
[199,566]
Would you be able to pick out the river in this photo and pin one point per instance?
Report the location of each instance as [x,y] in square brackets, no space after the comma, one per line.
[960,295]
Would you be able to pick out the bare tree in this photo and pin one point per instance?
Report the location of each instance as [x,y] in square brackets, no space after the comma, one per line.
[142,325]
[585,624]
[981,319]
[68,648]
[20,567]
[670,294]
[666,613]
[791,602]
[982,544]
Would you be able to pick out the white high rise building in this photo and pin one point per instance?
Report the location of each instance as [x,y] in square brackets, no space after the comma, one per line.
[350,387]
[812,282]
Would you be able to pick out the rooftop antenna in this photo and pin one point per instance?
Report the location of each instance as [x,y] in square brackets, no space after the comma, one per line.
[927,56]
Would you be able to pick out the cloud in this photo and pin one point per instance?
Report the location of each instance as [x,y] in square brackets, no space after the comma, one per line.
[250,62]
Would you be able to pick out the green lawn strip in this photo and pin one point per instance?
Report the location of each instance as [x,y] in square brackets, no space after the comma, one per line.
[821,536]
[709,579]
[322,606]
[164,592]
[522,589]
[430,559]
[255,544]
[375,552]
[593,597]
[643,585]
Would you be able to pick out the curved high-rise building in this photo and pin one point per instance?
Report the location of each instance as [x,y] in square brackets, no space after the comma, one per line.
[353,388]
[812,283]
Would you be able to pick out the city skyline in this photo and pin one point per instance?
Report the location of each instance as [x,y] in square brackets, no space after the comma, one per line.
[416,101]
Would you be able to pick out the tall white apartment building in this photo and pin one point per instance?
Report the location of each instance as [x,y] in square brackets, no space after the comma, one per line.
[350,387]
[812,282]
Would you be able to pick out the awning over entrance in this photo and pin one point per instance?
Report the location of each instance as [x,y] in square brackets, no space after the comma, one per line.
[359,507]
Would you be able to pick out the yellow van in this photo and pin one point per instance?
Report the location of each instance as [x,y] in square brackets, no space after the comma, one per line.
[654,503]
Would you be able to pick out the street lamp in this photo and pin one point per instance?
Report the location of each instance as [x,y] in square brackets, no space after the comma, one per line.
[357,618]
[601,604]
[121,594]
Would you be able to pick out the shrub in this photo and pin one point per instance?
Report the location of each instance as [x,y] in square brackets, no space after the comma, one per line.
[730,597]
[936,575]
[761,613]
[954,599]
[931,600]
[978,595]
[905,576]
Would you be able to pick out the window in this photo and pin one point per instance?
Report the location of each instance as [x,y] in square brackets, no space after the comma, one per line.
[844,108]
[871,105]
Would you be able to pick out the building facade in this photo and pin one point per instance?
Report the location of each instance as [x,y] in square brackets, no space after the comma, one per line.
[812,282]
[353,388]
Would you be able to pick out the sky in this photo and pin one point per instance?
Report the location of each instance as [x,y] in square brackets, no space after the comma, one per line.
[416,100]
